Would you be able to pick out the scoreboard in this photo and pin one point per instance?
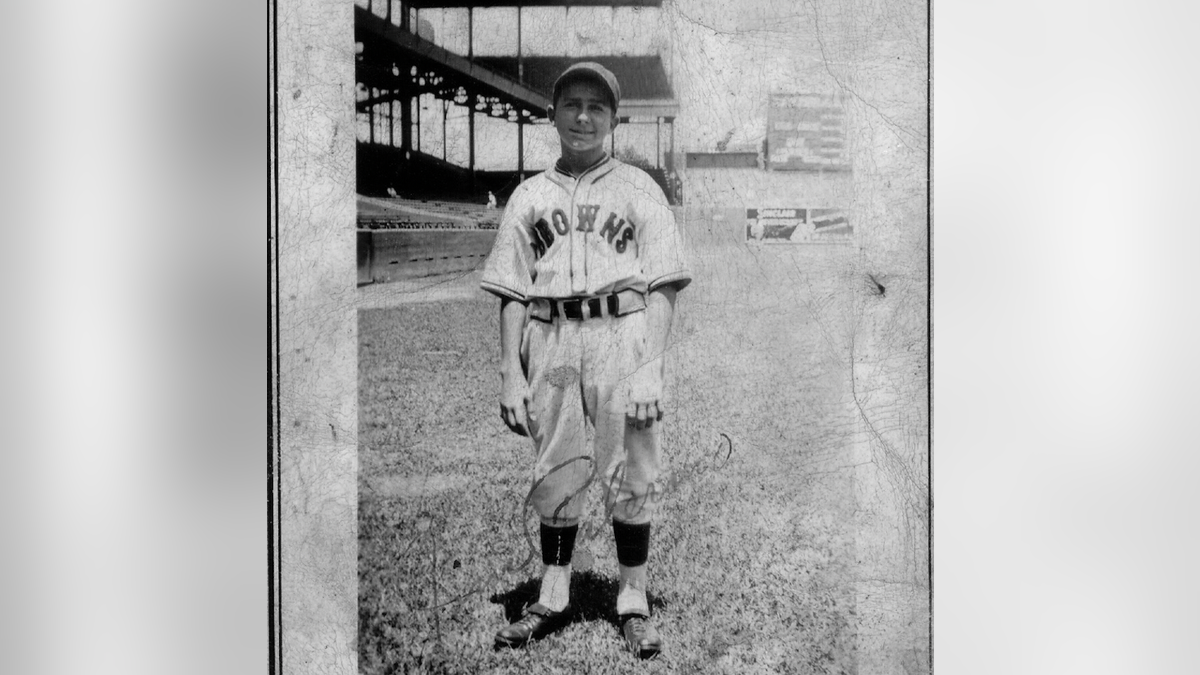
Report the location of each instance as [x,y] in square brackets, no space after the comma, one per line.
[806,132]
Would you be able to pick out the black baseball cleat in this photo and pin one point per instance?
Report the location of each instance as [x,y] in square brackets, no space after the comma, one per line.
[640,636]
[537,622]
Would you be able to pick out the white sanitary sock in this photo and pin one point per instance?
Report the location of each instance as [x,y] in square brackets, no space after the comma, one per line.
[632,597]
[556,587]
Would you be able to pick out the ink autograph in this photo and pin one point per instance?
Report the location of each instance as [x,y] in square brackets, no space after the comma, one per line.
[690,471]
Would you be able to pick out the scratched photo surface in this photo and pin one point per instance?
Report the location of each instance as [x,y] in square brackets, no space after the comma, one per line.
[791,532]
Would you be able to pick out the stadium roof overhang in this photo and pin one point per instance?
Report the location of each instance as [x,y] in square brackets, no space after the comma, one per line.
[646,92]
[430,4]
[402,64]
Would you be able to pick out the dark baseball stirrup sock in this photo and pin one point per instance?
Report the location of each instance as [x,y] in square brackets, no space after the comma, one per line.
[633,543]
[557,544]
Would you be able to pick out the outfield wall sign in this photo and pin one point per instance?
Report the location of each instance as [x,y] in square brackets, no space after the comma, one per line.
[798,226]
[806,132]
[721,160]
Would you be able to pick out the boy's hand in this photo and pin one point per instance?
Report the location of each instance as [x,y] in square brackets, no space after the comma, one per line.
[514,390]
[646,404]
[514,404]
[645,396]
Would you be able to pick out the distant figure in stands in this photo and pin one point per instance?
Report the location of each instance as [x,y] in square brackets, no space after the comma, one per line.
[491,200]
[392,192]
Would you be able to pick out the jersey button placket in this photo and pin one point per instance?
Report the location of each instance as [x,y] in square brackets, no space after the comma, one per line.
[578,245]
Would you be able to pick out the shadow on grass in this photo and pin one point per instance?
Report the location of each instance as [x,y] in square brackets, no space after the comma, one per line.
[593,598]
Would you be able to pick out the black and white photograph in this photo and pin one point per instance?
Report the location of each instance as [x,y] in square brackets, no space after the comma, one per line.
[642,293]
[608,333]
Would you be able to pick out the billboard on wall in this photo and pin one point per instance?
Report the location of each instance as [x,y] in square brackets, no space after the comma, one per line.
[798,226]
[806,132]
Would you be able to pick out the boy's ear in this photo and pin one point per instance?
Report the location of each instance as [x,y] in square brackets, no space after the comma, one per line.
[550,112]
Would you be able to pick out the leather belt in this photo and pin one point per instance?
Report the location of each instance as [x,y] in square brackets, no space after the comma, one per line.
[578,309]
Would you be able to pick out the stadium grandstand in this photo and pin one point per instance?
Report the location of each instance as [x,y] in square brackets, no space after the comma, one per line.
[413,85]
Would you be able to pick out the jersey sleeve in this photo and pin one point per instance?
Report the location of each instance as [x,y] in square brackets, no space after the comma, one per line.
[508,270]
[662,254]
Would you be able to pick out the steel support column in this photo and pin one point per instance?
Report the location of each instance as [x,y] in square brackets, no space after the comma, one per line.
[671,121]
[658,142]
[471,140]
[406,122]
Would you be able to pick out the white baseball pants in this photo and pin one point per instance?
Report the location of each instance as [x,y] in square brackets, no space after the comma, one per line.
[578,372]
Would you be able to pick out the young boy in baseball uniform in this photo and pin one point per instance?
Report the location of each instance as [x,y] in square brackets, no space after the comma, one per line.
[587,262]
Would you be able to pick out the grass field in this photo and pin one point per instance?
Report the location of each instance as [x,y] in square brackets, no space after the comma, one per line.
[752,559]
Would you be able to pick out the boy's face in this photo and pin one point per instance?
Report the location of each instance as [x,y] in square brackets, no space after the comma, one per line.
[583,116]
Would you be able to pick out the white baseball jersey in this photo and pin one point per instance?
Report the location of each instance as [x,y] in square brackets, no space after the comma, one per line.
[607,231]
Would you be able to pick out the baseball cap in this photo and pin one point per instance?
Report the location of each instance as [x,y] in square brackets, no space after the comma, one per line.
[592,71]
